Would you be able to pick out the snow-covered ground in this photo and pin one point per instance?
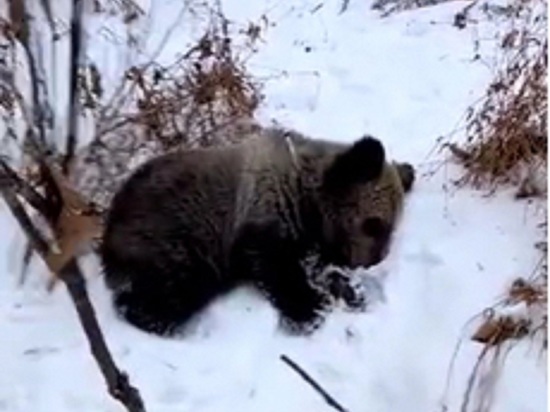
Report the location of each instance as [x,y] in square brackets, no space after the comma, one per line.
[407,79]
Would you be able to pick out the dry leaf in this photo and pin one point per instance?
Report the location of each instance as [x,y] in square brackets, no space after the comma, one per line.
[78,224]
[494,331]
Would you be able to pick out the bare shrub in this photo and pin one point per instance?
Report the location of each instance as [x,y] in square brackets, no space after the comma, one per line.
[65,217]
[506,146]
[206,97]
[507,131]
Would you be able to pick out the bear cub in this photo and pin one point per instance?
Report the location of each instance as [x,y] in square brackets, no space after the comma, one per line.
[191,225]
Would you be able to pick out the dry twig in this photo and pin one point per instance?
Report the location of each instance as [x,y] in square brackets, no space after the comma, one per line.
[326,396]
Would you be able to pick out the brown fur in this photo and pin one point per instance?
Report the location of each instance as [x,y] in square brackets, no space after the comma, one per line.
[190,225]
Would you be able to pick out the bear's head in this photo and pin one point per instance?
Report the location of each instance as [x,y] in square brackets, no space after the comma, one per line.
[362,196]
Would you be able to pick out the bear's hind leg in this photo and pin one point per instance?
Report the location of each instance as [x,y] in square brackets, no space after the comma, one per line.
[163,310]
[148,311]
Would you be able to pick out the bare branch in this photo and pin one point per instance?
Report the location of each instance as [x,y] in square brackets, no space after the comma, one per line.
[35,237]
[20,19]
[76,43]
[326,396]
[9,177]
[117,382]
[49,15]
[27,256]
[62,207]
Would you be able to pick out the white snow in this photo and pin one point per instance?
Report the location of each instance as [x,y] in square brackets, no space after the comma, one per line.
[407,79]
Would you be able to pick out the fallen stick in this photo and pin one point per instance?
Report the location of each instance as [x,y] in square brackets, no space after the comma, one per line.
[326,396]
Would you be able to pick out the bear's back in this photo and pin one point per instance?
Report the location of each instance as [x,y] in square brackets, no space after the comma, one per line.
[176,207]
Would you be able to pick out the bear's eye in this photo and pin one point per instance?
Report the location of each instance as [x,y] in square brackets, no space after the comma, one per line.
[374,227]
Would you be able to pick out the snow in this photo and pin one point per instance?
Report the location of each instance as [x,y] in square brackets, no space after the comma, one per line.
[407,79]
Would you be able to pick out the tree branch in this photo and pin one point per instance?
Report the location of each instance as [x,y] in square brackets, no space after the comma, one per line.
[34,236]
[76,43]
[326,396]
[117,382]
[55,206]
[8,177]
[20,18]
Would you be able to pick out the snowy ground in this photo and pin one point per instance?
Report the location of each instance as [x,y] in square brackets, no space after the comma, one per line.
[406,79]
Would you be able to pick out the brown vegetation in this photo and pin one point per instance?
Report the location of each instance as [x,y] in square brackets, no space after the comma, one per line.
[507,131]
[169,107]
[506,146]
[205,97]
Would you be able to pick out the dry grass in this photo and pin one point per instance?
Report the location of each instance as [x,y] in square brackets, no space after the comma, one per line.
[521,316]
[205,97]
[507,143]
[184,102]
[506,146]
[507,131]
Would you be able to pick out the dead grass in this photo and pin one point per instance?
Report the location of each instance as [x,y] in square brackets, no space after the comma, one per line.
[520,317]
[506,146]
[183,103]
[507,131]
[205,97]
[204,88]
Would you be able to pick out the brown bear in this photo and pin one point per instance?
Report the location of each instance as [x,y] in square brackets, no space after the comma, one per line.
[191,225]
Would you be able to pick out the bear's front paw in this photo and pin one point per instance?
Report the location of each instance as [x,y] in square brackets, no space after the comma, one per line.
[340,287]
[304,317]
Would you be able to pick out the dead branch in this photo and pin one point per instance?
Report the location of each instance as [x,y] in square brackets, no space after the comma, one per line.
[20,20]
[39,243]
[76,43]
[64,210]
[36,200]
[117,382]
[326,396]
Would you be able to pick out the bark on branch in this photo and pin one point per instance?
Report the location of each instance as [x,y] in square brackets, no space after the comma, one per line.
[117,381]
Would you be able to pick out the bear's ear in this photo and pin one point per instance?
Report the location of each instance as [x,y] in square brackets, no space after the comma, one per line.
[362,162]
[406,174]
